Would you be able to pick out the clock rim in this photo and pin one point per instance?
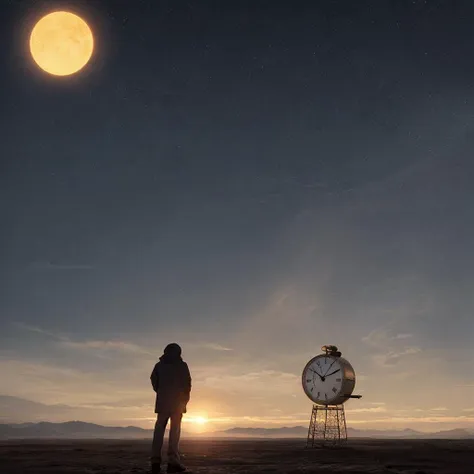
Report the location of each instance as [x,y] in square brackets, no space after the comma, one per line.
[344,363]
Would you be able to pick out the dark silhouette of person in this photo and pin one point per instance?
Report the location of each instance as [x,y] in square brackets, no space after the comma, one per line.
[171,380]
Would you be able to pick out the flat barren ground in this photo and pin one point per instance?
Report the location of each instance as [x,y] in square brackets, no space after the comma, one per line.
[225,457]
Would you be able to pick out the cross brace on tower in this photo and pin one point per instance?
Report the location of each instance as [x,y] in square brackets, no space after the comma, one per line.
[327,426]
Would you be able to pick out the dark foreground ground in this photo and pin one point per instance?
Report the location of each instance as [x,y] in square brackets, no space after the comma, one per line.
[226,457]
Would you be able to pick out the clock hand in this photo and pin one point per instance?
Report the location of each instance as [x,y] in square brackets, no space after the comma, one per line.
[319,375]
[329,368]
[332,372]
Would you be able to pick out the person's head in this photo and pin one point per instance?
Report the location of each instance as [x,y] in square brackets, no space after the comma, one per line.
[173,350]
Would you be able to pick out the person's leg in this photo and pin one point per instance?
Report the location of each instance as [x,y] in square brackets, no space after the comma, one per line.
[175,434]
[158,435]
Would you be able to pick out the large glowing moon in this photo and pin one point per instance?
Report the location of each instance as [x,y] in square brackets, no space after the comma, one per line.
[61,43]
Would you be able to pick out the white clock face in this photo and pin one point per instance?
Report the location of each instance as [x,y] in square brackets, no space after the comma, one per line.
[323,378]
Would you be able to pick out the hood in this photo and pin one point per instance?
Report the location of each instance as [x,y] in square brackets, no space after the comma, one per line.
[172,354]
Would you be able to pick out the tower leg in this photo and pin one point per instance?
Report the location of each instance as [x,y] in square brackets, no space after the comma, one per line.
[312,427]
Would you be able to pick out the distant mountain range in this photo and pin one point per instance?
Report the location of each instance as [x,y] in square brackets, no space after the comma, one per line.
[82,430]
[71,430]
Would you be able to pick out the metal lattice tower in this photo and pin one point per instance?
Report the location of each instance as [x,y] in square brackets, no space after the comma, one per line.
[327,426]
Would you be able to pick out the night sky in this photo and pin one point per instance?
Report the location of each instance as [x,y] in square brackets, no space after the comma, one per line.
[251,179]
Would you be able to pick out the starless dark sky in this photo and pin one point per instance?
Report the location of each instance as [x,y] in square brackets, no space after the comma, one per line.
[252,179]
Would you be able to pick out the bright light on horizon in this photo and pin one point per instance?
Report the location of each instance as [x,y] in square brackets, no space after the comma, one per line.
[197,420]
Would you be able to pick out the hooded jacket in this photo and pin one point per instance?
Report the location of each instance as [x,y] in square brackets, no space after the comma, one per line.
[171,380]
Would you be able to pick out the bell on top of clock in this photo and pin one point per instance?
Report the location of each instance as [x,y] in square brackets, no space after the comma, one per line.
[332,350]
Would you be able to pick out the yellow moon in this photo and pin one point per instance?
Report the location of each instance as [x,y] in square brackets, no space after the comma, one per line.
[61,43]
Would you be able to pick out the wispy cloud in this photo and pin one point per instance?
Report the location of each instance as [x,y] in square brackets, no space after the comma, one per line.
[391,358]
[105,346]
[38,330]
[376,338]
[256,382]
[59,383]
[381,337]
[421,419]
[215,347]
[87,345]
[389,349]
[258,421]
[379,409]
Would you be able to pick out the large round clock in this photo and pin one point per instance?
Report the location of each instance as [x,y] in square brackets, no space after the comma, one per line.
[328,379]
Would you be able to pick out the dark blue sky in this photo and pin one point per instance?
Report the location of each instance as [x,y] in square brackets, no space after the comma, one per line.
[254,180]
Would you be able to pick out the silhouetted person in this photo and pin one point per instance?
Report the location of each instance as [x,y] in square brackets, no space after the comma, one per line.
[171,381]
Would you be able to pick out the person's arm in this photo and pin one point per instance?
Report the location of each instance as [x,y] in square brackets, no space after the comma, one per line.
[155,379]
[187,382]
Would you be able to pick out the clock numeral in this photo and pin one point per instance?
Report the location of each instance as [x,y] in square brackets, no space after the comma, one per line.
[312,389]
[319,394]
[308,380]
[318,364]
[334,389]
[326,395]
[338,380]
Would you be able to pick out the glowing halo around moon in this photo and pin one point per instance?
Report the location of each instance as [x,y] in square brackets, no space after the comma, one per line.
[61,43]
